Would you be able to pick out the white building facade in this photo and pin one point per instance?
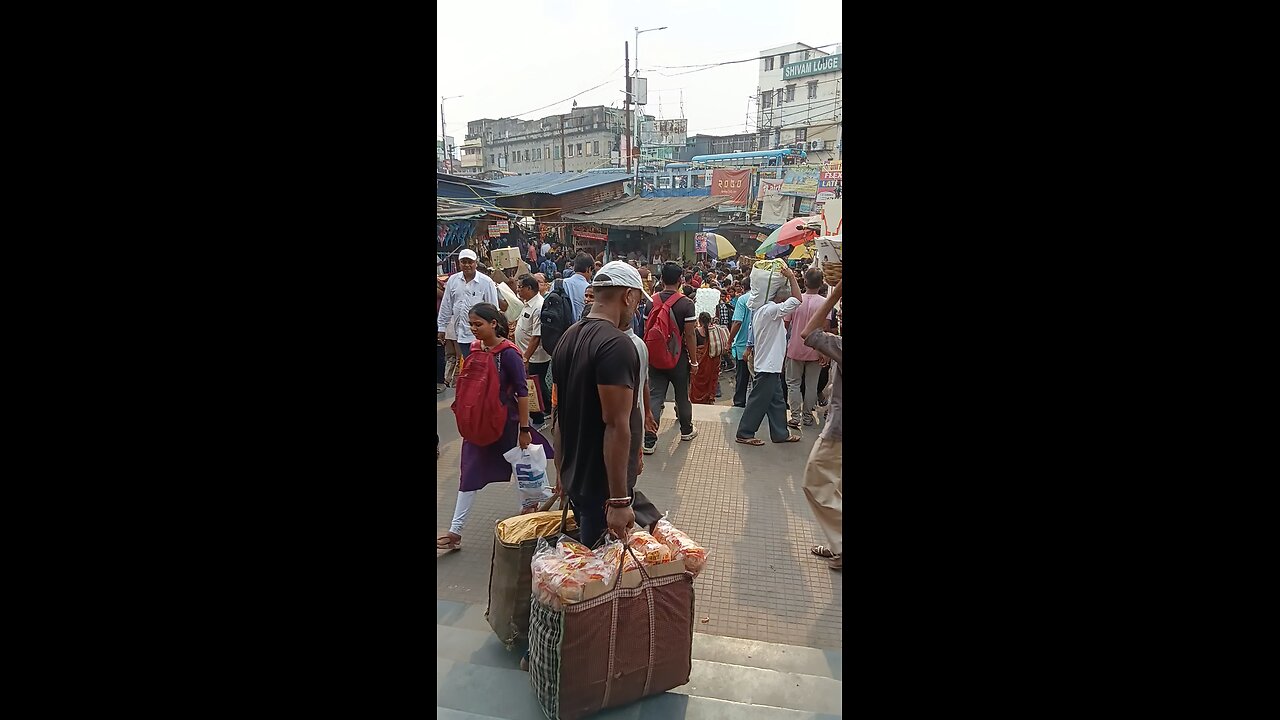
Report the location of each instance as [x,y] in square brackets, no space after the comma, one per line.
[799,100]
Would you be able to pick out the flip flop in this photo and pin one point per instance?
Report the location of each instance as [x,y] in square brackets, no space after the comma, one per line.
[449,542]
[792,438]
[822,551]
[750,441]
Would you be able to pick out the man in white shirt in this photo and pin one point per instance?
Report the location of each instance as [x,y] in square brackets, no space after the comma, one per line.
[464,291]
[767,397]
[529,340]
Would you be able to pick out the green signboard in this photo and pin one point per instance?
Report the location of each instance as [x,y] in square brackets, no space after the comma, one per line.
[814,66]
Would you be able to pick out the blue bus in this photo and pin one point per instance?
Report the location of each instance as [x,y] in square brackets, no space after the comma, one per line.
[758,158]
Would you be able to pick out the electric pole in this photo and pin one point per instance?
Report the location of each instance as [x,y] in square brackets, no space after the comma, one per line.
[626,51]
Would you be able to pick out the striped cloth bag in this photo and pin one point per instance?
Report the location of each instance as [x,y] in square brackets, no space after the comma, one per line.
[624,645]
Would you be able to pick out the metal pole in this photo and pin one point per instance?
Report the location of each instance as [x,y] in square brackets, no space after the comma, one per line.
[444,133]
[626,51]
[635,139]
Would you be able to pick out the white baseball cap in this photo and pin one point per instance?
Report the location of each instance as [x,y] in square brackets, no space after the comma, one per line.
[618,274]
[468,254]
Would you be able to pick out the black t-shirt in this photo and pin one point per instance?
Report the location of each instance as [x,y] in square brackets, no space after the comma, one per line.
[685,313]
[590,353]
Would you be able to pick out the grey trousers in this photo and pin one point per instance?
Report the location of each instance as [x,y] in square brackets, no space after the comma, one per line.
[766,400]
[810,369]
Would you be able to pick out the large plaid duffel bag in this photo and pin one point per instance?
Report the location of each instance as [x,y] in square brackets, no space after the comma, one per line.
[624,645]
[510,577]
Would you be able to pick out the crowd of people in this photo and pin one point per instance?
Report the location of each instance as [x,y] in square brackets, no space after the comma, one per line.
[599,345]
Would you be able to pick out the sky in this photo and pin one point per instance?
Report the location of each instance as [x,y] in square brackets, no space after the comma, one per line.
[524,59]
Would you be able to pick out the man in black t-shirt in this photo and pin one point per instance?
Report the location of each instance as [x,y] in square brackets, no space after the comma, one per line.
[597,373]
[686,316]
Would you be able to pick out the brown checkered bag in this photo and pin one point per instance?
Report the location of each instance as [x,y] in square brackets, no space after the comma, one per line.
[624,645]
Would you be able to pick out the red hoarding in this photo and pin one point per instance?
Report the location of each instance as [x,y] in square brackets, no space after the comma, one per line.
[734,183]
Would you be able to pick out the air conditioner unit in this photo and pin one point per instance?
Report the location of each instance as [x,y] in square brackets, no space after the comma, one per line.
[816,144]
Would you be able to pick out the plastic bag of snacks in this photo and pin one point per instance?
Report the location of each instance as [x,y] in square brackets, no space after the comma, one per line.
[648,549]
[562,572]
[682,546]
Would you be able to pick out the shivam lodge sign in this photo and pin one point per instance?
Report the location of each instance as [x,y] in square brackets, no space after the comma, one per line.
[813,66]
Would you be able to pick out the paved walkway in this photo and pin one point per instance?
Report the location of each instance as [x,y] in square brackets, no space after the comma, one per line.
[745,504]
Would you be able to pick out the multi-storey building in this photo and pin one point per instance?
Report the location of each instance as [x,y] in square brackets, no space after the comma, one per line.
[702,144]
[472,161]
[800,100]
[584,139]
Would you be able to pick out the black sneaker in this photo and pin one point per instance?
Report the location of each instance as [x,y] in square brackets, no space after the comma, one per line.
[648,448]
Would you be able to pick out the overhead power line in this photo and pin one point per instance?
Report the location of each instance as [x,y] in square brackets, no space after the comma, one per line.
[708,66]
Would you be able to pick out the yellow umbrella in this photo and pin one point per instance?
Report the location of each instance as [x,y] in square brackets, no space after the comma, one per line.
[804,252]
[720,246]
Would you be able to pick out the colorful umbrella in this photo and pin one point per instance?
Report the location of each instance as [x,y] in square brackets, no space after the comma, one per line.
[720,246]
[793,232]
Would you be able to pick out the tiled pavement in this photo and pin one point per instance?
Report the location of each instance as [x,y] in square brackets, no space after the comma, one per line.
[745,504]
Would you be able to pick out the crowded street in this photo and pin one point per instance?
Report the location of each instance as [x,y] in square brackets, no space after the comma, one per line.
[639,379]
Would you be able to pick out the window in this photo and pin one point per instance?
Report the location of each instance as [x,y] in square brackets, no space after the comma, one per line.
[768,63]
[764,139]
[571,151]
[526,156]
[557,153]
[785,57]
[696,181]
[766,99]
[579,149]
[777,97]
[595,147]
[791,93]
[547,152]
[813,89]
[802,134]
[491,160]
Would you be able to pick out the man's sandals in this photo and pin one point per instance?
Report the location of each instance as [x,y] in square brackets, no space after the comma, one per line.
[757,442]
[822,551]
[449,541]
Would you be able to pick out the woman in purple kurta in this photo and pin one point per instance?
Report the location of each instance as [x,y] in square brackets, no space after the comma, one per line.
[484,464]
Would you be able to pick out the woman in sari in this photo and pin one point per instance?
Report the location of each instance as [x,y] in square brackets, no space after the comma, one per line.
[705,380]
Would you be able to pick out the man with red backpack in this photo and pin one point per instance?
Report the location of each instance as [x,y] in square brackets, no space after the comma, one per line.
[669,335]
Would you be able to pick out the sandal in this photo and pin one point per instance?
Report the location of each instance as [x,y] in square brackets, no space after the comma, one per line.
[750,441]
[449,541]
[793,423]
[822,551]
[792,438]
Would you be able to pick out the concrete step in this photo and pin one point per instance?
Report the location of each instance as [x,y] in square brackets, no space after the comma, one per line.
[451,714]
[730,678]
[495,693]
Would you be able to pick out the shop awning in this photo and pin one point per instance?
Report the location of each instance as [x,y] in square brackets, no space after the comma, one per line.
[634,212]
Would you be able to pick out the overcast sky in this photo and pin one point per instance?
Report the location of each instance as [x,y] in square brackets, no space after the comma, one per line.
[510,59]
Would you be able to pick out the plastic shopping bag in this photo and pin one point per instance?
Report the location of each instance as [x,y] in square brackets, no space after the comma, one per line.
[530,467]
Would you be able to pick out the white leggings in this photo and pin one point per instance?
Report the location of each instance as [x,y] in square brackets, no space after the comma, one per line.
[463,509]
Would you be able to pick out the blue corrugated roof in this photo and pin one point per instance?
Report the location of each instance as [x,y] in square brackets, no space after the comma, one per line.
[554,183]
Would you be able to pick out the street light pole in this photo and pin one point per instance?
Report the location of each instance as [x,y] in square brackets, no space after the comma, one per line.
[635,88]
[444,130]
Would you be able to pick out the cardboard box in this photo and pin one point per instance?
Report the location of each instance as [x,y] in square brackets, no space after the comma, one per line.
[505,258]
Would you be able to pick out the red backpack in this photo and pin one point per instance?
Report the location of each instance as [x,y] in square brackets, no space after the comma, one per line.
[662,334]
[476,405]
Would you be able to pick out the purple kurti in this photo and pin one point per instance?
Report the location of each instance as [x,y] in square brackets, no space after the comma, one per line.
[482,465]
